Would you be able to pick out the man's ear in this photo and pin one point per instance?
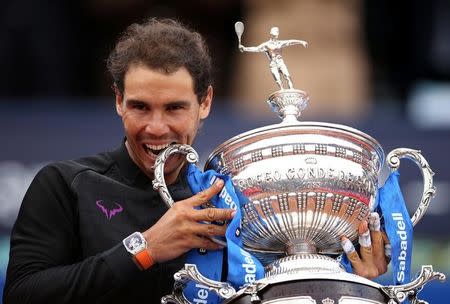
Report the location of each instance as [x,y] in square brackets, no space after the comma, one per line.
[119,103]
[205,106]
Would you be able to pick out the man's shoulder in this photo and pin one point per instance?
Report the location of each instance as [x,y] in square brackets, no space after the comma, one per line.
[69,169]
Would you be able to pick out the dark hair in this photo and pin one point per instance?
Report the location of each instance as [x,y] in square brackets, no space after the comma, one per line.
[163,44]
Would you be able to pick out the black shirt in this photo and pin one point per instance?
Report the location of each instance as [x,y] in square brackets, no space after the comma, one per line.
[66,245]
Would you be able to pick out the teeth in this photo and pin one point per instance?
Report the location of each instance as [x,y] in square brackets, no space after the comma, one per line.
[156,147]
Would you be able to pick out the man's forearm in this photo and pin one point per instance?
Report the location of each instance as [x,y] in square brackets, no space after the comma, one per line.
[93,280]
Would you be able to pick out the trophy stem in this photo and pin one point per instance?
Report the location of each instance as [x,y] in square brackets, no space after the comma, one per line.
[288,104]
[303,265]
[301,247]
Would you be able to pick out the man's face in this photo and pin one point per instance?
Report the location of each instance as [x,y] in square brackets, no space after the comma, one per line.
[159,109]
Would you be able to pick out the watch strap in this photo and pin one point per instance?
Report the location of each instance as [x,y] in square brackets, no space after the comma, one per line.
[144,259]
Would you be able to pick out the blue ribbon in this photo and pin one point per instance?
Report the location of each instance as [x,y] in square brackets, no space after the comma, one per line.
[398,226]
[243,268]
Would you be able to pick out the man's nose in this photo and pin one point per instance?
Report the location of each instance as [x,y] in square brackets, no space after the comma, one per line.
[157,125]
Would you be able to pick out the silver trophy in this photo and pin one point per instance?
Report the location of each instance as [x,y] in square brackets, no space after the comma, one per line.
[305,185]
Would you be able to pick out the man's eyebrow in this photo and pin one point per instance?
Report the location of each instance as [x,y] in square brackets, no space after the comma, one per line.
[135,101]
[180,103]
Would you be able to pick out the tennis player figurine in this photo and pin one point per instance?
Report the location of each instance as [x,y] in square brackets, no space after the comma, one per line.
[272,48]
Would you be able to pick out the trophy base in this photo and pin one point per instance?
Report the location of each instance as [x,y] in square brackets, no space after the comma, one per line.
[314,292]
[309,278]
[288,104]
[285,285]
[310,267]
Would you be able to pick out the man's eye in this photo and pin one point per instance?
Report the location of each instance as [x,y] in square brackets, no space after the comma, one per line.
[174,107]
[139,106]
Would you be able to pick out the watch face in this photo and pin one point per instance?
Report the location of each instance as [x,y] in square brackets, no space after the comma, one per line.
[135,243]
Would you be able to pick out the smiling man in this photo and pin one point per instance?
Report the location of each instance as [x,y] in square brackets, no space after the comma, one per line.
[93,230]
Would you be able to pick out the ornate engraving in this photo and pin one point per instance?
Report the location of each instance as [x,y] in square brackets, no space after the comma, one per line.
[400,293]
[288,104]
[356,300]
[320,201]
[238,163]
[257,156]
[340,152]
[429,190]
[283,203]
[350,207]
[303,149]
[337,203]
[304,221]
[357,157]
[311,161]
[159,183]
[310,177]
[293,300]
[321,149]
[302,196]
[363,212]
[298,149]
[277,151]
[191,273]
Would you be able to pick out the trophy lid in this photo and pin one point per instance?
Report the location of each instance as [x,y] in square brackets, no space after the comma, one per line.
[278,133]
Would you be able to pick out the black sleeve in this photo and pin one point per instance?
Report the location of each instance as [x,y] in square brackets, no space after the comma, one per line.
[44,265]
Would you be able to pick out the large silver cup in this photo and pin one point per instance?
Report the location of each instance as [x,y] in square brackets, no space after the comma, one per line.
[307,184]
[303,186]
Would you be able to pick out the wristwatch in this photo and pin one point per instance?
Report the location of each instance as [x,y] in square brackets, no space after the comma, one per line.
[136,244]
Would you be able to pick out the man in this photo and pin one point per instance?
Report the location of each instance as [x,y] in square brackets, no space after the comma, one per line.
[93,230]
[273,48]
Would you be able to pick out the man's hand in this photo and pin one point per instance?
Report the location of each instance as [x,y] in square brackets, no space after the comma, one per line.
[374,253]
[180,228]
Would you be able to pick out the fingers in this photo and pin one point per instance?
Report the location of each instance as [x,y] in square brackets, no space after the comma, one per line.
[209,230]
[362,263]
[204,196]
[387,247]
[352,255]
[365,242]
[374,246]
[378,243]
[360,267]
[205,234]
[209,214]
[205,243]
[374,221]
[213,215]
[196,228]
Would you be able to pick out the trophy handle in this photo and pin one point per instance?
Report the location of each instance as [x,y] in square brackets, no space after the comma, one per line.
[400,293]
[393,160]
[159,183]
[191,273]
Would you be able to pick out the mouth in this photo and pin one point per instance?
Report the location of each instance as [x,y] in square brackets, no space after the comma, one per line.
[154,150]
